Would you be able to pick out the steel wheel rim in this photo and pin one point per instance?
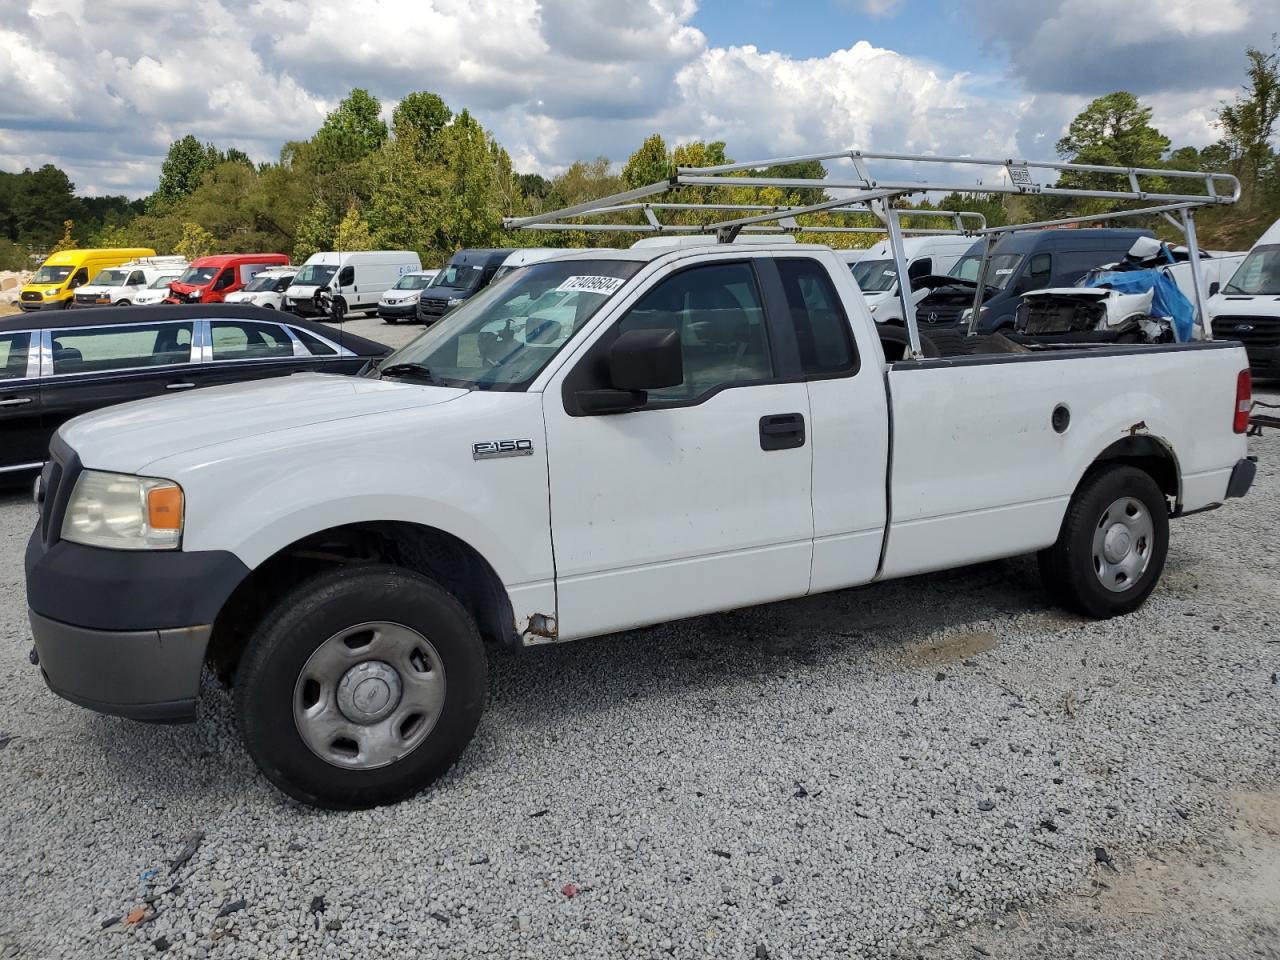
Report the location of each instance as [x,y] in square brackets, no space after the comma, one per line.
[369,695]
[1123,542]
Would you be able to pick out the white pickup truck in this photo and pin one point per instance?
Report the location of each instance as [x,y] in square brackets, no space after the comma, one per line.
[597,442]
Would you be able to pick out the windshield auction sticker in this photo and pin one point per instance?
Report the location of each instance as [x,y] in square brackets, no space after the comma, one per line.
[604,285]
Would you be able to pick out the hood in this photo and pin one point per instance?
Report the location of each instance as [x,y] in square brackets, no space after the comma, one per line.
[242,296]
[444,293]
[126,438]
[1083,293]
[97,288]
[181,287]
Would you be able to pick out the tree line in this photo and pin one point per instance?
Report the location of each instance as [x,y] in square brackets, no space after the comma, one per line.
[435,181]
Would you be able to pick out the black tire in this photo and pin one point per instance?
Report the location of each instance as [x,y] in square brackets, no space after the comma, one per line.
[391,320]
[1073,572]
[298,625]
[338,311]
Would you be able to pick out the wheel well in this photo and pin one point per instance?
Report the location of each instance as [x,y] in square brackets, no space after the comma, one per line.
[1150,456]
[455,565]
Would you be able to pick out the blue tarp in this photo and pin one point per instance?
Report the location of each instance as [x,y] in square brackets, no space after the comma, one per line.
[1168,301]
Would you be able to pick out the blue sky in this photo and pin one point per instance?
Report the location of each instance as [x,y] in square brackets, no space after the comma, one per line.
[101,89]
[930,29]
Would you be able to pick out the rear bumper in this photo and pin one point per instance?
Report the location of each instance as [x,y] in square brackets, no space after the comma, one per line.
[1242,477]
[149,675]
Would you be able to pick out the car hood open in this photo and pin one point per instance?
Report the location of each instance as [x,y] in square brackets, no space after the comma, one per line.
[126,438]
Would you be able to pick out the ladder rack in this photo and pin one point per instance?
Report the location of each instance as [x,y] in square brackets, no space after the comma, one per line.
[896,177]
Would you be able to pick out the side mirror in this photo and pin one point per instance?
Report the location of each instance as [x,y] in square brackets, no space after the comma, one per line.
[639,361]
[1214,288]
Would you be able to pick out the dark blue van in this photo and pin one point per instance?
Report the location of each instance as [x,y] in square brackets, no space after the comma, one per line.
[1020,262]
[466,274]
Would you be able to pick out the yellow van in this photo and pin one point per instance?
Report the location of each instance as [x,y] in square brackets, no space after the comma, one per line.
[53,285]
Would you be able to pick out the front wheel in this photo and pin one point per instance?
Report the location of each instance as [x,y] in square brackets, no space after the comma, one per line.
[338,312]
[361,687]
[1112,546]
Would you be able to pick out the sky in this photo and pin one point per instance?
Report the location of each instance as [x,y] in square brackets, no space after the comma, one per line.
[100,89]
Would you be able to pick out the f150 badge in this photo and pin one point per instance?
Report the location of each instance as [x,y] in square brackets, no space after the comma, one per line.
[492,449]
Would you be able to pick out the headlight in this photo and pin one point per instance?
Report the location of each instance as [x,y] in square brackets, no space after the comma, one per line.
[52,292]
[123,512]
[965,314]
[454,301]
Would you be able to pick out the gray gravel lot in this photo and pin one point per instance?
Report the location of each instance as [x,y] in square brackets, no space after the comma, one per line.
[924,768]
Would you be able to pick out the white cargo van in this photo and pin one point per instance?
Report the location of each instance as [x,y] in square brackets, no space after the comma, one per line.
[266,289]
[354,280]
[1247,307]
[877,276]
[120,286]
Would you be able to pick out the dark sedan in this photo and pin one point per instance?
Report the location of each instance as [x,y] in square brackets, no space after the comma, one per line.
[54,366]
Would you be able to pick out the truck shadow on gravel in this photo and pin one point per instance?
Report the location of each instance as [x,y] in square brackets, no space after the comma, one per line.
[917,623]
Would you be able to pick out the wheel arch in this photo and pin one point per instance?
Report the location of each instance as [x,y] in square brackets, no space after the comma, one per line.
[1148,453]
[456,565]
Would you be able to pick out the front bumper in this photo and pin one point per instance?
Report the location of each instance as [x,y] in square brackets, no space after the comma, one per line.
[1264,362]
[120,631]
[399,311]
[149,675]
[31,306]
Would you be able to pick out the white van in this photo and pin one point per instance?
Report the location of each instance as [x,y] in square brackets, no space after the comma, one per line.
[355,280]
[266,289]
[120,286]
[158,288]
[1247,307]
[876,273]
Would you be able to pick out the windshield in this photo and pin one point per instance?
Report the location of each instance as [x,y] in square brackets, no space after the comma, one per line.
[875,276]
[51,275]
[412,281]
[1259,275]
[261,282]
[315,274]
[198,276]
[111,278]
[159,283]
[458,276]
[503,337]
[1003,266]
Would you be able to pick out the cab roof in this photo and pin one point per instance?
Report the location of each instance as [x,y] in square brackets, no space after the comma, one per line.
[222,259]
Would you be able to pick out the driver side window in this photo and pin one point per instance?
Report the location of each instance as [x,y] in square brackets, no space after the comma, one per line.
[716,311]
[225,279]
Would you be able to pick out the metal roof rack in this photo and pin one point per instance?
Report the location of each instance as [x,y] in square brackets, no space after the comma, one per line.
[867,192]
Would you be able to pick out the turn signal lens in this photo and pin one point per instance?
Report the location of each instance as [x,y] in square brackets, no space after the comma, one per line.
[164,508]
[1244,401]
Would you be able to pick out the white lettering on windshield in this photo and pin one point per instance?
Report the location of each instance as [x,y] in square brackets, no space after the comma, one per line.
[605,285]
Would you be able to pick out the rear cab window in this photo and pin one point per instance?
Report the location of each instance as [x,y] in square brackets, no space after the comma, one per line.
[817,316]
[102,349]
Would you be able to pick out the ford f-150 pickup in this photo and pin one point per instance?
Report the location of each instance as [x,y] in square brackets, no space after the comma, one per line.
[594,443]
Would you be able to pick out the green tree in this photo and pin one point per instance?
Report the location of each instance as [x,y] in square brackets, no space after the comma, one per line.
[68,242]
[1114,130]
[351,132]
[315,231]
[650,164]
[353,231]
[183,168]
[1249,124]
[421,114]
[196,242]
[35,203]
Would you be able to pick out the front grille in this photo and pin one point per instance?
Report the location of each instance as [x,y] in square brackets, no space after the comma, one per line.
[1251,331]
[437,307]
[938,314]
[86,298]
[30,295]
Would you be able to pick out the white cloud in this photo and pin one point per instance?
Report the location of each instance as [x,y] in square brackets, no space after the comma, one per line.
[101,89]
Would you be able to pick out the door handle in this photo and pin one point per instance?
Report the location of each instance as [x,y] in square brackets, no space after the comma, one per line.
[782,431]
[179,386]
[15,402]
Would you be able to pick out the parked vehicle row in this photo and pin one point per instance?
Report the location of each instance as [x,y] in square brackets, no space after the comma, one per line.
[120,286]
[211,279]
[54,283]
[55,366]
[332,284]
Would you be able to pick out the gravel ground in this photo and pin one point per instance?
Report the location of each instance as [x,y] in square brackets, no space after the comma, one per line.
[930,768]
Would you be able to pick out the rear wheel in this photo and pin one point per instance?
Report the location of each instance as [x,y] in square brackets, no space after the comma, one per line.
[1112,546]
[361,687]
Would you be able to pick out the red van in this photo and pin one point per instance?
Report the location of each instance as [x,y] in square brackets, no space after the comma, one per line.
[210,279]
